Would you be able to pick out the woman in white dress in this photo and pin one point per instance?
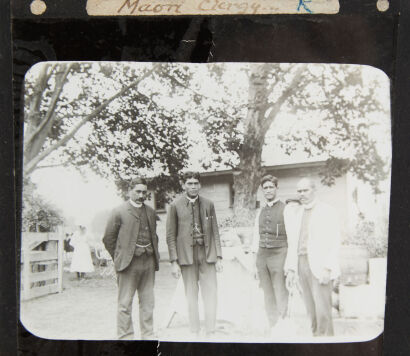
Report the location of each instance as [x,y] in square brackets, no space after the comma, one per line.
[81,261]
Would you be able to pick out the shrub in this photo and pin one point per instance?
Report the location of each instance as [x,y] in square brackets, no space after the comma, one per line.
[367,235]
[226,223]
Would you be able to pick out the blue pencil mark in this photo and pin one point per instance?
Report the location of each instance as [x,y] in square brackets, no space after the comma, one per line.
[302,3]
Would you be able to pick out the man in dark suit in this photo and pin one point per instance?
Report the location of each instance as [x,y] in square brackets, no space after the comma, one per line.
[130,238]
[195,250]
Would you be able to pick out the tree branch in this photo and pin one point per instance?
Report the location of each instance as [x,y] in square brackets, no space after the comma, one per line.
[52,165]
[285,95]
[50,111]
[31,165]
[197,93]
[36,96]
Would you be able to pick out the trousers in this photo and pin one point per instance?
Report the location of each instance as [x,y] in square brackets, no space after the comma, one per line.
[317,298]
[138,276]
[269,265]
[200,274]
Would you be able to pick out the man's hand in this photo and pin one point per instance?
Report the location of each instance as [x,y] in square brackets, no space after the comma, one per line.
[290,279]
[175,269]
[246,248]
[325,279]
[218,265]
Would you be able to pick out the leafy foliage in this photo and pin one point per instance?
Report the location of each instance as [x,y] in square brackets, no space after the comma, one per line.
[366,235]
[38,215]
[334,108]
[343,106]
[91,124]
[121,119]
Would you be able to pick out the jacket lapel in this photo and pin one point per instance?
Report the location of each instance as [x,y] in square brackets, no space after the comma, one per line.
[151,218]
[135,224]
[132,211]
[204,214]
[299,222]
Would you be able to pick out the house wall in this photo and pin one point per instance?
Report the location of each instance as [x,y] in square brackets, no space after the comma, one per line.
[335,195]
[218,189]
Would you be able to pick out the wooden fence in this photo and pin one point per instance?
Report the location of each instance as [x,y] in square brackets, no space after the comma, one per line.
[41,264]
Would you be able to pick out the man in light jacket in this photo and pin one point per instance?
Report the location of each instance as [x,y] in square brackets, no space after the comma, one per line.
[313,253]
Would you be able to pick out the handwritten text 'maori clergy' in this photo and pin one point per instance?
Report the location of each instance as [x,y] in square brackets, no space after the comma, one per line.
[135,7]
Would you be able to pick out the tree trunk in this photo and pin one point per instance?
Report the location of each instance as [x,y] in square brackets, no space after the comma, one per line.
[256,125]
[246,180]
[35,139]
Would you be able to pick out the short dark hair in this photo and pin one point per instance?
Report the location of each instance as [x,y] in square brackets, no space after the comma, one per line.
[269,178]
[136,180]
[190,174]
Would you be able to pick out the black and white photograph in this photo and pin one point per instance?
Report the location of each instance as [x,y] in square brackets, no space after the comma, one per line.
[209,202]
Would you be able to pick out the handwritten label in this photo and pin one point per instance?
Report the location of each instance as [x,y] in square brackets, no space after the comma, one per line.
[209,7]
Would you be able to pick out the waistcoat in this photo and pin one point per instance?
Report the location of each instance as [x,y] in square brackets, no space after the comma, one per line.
[272,226]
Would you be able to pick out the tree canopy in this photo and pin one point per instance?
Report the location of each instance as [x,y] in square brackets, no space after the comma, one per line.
[38,215]
[333,107]
[124,118]
[336,110]
[105,116]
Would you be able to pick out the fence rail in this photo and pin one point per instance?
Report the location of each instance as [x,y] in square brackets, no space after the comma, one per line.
[41,264]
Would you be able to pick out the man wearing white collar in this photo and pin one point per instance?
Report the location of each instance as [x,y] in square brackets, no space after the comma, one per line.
[130,238]
[313,238]
[195,250]
[270,243]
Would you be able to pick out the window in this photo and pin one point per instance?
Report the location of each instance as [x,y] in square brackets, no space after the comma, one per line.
[231,195]
[160,201]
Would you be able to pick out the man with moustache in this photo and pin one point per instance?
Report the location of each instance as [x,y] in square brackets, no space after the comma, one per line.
[313,254]
[130,238]
[270,245]
[195,250]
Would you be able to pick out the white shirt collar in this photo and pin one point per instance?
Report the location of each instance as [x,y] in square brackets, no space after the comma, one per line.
[192,200]
[310,205]
[135,204]
[271,203]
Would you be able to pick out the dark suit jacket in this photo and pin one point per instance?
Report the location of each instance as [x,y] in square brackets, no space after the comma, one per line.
[179,231]
[121,234]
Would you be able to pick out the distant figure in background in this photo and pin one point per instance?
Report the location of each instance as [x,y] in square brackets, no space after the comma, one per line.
[68,249]
[270,245]
[313,238]
[67,245]
[81,261]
